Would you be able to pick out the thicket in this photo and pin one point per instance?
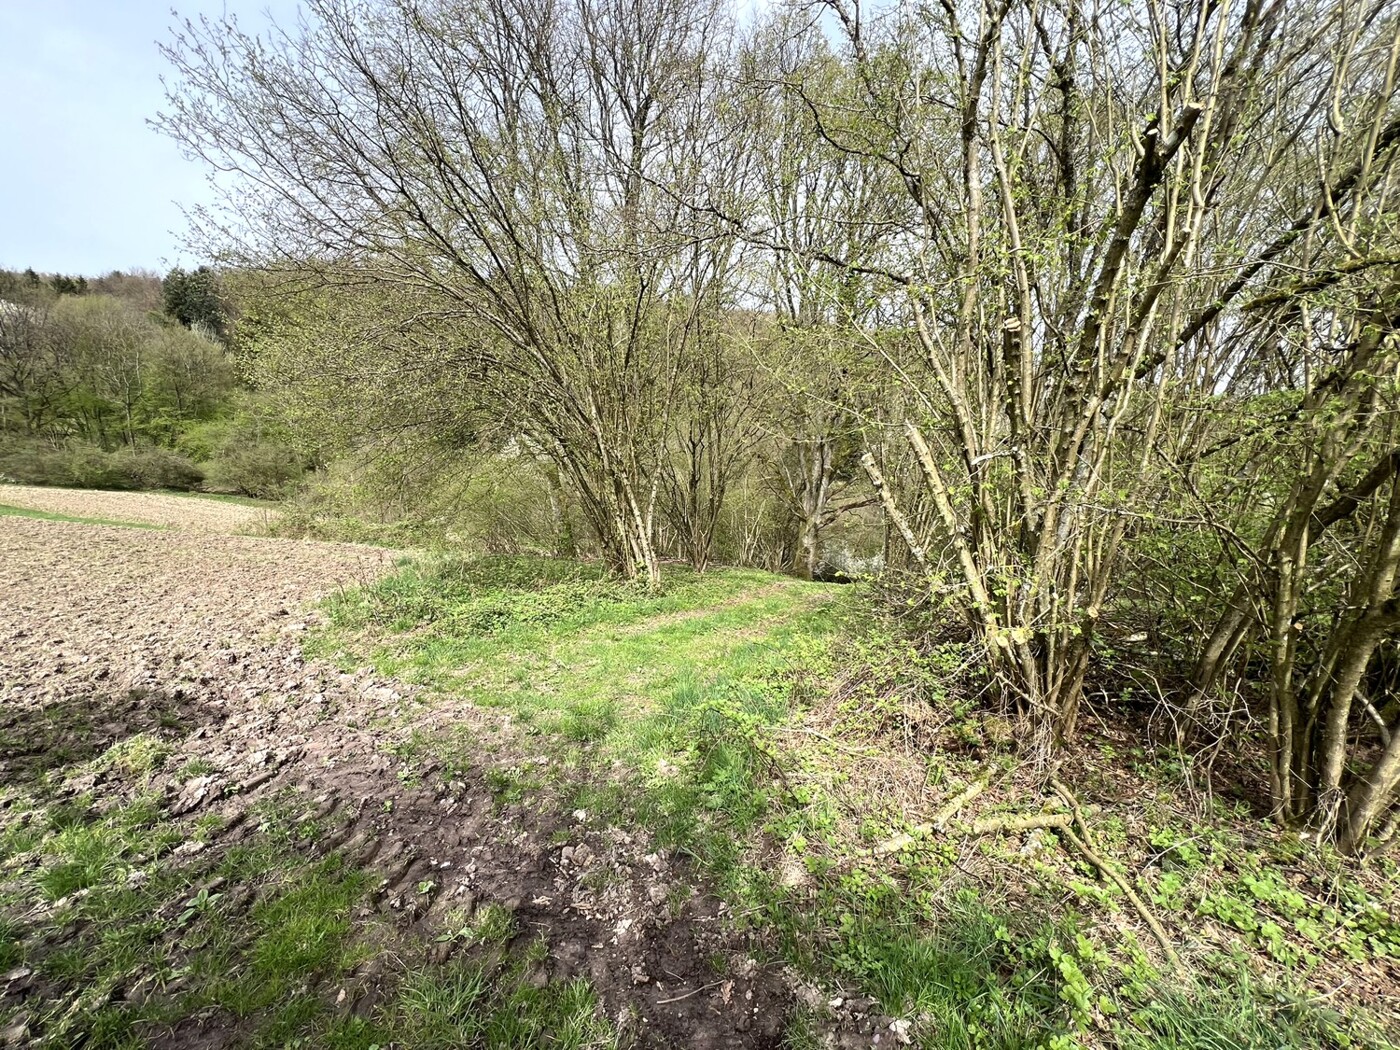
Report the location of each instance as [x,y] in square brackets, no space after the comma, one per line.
[1091,314]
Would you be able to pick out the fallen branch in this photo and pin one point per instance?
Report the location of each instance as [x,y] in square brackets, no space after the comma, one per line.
[1064,823]
[940,819]
[993,825]
[1019,822]
[903,840]
[961,799]
[1082,844]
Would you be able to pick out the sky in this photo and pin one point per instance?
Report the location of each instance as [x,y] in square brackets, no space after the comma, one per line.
[86,187]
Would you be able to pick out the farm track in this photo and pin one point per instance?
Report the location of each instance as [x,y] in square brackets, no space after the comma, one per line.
[195,637]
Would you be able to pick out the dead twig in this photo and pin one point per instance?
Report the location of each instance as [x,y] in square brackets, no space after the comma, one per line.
[687,995]
[962,798]
[993,825]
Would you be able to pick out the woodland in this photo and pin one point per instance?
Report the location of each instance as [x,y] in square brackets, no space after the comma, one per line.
[129,381]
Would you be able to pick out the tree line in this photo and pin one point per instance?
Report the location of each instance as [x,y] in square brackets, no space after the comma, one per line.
[1097,306]
[128,381]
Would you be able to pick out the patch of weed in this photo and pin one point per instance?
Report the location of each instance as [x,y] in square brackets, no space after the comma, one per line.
[137,755]
[195,767]
[1224,1015]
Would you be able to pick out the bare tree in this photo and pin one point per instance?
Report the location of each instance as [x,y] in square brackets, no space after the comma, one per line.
[504,160]
[801,212]
[34,374]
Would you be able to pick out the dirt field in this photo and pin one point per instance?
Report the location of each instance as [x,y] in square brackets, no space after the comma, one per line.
[186,513]
[109,632]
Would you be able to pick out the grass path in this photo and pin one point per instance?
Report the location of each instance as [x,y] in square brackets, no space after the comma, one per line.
[6,511]
[612,682]
[624,656]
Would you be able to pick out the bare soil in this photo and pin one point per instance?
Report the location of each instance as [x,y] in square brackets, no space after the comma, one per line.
[106,632]
[186,513]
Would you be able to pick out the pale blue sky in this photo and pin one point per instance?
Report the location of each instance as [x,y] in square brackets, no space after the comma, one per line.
[85,186]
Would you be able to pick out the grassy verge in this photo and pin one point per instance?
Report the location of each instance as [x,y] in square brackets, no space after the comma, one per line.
[768,729]
[7,511]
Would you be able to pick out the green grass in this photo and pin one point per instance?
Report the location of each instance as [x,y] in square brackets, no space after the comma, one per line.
[7,511]
[605,673]
[1234,1015]
[492,998]
[263,966]
[471,1005]
[135,937]
[265,969]
[129,933]
[669,710]
[223,497]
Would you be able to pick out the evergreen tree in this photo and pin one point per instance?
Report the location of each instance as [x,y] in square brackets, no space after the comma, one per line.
[195,298]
